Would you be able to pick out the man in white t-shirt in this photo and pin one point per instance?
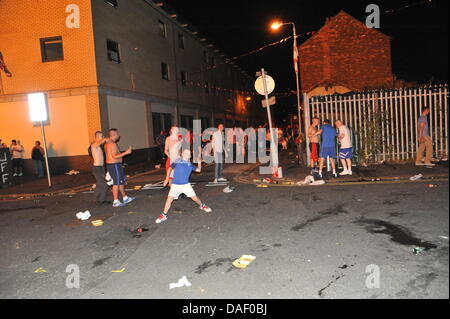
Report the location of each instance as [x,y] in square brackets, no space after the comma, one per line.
[346,151]
[17,150]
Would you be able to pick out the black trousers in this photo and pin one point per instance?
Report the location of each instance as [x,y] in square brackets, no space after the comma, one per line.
[101,187]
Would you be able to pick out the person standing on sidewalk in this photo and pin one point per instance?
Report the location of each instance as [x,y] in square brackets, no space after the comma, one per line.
[218,150]
[346,152]
[328,146]
[425,141]
[37,154]
[114,160]
[98,169]
[314,146]
[17,150]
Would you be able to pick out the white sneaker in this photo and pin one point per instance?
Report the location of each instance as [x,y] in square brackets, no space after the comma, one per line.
[129,200]
[426,164]
[222,180]
[118,204]
[344,173]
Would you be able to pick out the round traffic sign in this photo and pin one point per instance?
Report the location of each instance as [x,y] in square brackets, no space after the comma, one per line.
[270,84]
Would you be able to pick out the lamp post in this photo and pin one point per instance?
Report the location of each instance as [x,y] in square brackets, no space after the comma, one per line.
[276,26]
[37,104]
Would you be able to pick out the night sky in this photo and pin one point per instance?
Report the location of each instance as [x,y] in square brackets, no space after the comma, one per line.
[419,33]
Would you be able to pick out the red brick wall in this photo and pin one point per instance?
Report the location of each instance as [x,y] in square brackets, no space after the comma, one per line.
[348,53]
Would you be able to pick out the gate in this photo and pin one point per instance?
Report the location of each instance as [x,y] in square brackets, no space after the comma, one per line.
[384,122]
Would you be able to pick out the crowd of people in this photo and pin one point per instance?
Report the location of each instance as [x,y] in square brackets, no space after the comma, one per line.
[17,152]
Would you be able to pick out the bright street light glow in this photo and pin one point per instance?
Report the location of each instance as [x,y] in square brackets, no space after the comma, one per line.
[37,106]
[276,25]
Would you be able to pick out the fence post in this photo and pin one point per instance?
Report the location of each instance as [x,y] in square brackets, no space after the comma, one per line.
[307,125]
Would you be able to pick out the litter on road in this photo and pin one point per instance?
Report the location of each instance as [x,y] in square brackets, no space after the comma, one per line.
[443,237]
[73,172]
[40,269]
[84,216]
[418,250]
[181,283]
[416,178]
[97,223]
[229,189]
[118,271]
[244,261]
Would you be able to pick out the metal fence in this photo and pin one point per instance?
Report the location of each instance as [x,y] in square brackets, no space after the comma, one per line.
[387,118]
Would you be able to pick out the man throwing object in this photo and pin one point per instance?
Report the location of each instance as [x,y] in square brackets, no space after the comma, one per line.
[182,170]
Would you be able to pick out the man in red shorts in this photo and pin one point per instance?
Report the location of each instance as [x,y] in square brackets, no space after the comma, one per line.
[172,148]
[313,134]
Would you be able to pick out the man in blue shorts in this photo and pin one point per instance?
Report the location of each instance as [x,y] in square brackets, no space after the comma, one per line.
[114,159]
[182,170]
[328,148]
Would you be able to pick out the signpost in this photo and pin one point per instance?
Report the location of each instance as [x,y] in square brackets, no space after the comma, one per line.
[265,85]
[38,108]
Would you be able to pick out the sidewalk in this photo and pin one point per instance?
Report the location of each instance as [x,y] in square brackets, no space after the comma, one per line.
[30,186]
[292,173]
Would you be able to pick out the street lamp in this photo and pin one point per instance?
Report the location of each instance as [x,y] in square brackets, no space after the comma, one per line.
[276,26]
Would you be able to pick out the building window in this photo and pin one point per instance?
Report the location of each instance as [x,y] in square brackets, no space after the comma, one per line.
[52,49]
[113,3]
[206,87]
[183,78]
[181,42]
[113,51]
[165,71]
[162,29]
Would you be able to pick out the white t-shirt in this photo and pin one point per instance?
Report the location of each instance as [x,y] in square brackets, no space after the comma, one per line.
[15,150]
[346,142]
[217,142]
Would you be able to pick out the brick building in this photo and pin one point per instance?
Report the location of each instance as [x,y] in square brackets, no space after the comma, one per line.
[130,64]
[343,56]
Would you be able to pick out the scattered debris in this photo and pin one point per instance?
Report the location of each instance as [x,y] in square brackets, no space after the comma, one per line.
[177,211]
[84,216]
[158,166]
[156,186]
[229,189]
[109,179]
[418,250]
[137,188]
[416,178]
[244,261]
[73,172]
[181,283]
[218,184]
[308,180]
[262,186]
[142,230]
[443,237]
[97,223]
[118,271]
[318,183]
[40,269]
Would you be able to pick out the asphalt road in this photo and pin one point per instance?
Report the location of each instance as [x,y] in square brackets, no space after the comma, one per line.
[311,242]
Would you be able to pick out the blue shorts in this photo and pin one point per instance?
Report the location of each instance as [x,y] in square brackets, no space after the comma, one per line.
[116,173]
[328,151]
[346,153]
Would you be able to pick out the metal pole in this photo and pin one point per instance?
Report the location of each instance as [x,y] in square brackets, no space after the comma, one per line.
[46,155]
[298,83]
[272,139]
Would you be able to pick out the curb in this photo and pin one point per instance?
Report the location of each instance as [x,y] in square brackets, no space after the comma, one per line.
[66,191]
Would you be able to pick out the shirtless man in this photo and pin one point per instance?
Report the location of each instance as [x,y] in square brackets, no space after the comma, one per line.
[114,159]
[313,134]
[98,168]
[172,148]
